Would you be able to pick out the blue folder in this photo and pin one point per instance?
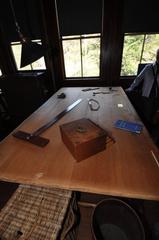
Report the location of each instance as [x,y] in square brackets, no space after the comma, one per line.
[129,126]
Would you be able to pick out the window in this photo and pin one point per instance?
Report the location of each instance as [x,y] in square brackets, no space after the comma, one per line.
[81,55]
[37,65]
[0,72]
[138,48]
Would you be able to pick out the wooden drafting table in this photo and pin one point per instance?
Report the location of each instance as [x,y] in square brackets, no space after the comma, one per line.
[126,168]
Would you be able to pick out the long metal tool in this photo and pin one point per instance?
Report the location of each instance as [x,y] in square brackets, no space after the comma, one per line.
[34,137]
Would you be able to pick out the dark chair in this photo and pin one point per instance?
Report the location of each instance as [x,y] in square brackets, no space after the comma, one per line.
[141,67]
[23,94]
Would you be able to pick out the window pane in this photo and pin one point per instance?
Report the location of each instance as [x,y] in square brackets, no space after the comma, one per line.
[92,35]
[91,57]
[72,36]
[72,58]
[0,72]
[150,48]
[17,55]
[39,64]
[131,54]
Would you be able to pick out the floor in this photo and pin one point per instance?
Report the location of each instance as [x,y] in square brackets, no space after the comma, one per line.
[6,191]
[84,231]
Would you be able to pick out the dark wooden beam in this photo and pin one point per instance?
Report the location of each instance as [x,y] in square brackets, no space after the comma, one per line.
[54,60]
[111,42]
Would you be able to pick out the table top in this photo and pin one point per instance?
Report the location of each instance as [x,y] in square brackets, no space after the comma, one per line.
[126,168]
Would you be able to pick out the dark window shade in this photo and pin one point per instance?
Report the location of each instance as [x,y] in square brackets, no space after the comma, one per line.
[77,17]
[140,16]
[27,14]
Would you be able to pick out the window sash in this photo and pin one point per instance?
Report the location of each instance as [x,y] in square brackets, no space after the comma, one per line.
[82,61]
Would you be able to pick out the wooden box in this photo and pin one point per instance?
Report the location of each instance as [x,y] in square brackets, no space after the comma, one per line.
[83,138]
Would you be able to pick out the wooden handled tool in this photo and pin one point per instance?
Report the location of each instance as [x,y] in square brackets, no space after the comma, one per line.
[34,137]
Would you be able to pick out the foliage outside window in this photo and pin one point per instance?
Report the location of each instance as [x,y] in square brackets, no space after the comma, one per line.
[81,55]
[37,65]
[138,48]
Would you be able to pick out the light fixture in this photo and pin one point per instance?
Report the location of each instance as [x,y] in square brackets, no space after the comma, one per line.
[31,51]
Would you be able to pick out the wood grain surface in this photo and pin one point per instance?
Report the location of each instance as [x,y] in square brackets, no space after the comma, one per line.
[125,168]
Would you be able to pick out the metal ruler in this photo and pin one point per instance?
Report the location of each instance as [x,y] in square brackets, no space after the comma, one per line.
[34,137]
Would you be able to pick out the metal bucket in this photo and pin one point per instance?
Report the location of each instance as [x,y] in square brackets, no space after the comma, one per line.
[113,219]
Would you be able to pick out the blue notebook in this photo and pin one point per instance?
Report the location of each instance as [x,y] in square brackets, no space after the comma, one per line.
[129,126]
